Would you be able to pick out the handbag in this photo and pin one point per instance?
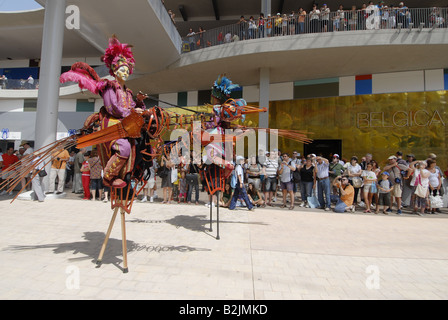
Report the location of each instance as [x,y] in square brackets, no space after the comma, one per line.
[357,182]
[42,173]
[420,190]
[313,202]
[296,176]
[163,172]
[191,178]
[436,201]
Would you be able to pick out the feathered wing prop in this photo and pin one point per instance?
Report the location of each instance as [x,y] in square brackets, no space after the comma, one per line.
[85,76]
[19,170]
[129,127]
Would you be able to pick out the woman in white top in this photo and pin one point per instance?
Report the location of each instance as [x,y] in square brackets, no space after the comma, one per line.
[435,180]
[422,178]
[353,170]
[370,179]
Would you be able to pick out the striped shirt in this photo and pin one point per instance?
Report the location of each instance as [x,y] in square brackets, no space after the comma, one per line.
[271,167]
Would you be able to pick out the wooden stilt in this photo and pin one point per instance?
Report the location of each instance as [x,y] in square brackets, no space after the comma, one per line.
[211,211]
[103,248]
[217,215]
[123,237]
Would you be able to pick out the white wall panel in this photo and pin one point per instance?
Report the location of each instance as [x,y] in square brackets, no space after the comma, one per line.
[168,97]
[347,86]
[15,105]
[434,80]
[281,91]
[192,98]
[410,81]
[67,105]
[251,93]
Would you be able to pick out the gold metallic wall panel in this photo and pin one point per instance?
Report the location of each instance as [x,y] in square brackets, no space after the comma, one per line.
[381,124]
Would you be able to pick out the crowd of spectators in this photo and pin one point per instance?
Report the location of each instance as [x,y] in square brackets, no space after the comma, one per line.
[276,179]
[320,19]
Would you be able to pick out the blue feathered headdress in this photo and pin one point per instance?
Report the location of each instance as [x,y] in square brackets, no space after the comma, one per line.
[222,87]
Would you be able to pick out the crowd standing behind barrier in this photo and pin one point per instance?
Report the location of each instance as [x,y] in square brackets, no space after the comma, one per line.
[281,179]
[317,20]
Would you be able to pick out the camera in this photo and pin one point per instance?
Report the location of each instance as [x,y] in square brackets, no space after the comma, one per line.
[397,180]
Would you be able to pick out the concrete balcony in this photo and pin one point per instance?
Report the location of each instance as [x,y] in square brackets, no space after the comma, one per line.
[304,57]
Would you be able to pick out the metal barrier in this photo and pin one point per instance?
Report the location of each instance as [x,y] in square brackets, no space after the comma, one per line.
[370,18]
[24,84]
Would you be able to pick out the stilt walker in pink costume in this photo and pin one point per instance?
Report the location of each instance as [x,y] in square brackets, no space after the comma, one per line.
[118,104]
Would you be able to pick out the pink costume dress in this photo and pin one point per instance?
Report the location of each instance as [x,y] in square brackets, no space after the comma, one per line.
[118,104]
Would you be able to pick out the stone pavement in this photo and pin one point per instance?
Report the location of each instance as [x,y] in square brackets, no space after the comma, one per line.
[48,251]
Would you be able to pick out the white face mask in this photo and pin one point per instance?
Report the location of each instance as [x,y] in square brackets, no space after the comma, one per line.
[122,73]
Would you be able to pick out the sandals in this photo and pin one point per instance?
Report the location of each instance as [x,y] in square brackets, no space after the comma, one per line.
[291,207]
[283,206]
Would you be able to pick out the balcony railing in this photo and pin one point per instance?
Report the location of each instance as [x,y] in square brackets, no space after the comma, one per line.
[24,84]
[338,21]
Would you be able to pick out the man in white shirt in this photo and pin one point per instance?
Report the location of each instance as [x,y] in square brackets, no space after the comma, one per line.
[286,169]
[322,179]
[240,186]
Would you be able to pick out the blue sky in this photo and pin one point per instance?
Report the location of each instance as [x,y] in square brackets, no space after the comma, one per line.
[18,5]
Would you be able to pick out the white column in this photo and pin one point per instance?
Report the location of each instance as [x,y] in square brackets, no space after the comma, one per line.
[266,7]
[264,97]
[50,70]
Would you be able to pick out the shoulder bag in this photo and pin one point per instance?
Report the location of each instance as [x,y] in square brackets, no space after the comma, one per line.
[420,190]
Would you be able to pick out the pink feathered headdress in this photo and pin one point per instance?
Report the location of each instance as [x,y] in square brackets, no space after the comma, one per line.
[118,54]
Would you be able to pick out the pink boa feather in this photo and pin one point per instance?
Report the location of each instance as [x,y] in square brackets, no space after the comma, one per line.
[84,81]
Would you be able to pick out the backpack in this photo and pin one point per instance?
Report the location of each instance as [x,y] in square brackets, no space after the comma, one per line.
[163,172]
[233,180]
[296,176]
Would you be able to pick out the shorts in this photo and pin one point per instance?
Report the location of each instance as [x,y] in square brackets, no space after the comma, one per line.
[421,202]
[150,184]
[397,191]
[287,186]
[96,184]
[384,199]
[270,184]
[367,187]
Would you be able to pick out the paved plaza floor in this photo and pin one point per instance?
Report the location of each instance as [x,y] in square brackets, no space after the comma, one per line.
[48,251]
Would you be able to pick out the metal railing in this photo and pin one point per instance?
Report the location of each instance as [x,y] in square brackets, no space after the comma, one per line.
[371,18]
[24,84]
[18,84]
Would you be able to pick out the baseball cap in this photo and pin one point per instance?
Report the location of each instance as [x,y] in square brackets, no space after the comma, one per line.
[392,157]
[335,155]
[385,173]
